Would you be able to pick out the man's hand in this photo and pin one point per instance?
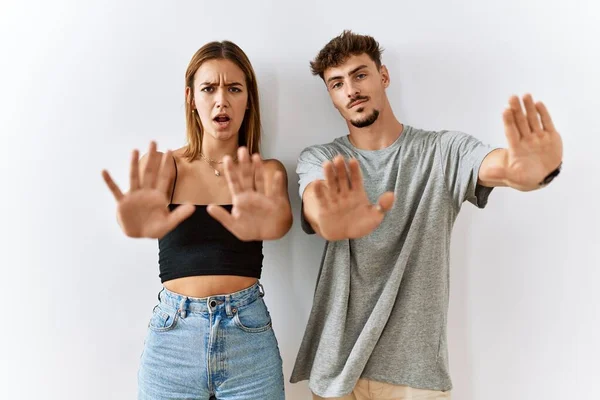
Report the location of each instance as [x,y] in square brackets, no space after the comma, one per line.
[338,207]
[534,148]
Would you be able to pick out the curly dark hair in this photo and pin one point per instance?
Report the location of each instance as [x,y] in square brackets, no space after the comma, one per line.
[341,47]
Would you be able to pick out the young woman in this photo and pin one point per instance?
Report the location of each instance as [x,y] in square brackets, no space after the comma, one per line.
[210,204]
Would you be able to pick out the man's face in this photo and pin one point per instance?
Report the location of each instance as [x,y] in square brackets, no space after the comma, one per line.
[357,89]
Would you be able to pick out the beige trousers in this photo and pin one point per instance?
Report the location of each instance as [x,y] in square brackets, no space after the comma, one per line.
[371,390]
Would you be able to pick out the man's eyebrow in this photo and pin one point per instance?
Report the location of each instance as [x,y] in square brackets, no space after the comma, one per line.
[355,70]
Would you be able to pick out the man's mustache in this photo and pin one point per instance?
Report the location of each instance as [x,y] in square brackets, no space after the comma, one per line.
[356,100]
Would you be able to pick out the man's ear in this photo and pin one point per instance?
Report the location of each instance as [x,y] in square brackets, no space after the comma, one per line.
[385,76]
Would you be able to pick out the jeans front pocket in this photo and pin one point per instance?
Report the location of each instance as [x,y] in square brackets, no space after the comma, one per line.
[253,317]
[163,319]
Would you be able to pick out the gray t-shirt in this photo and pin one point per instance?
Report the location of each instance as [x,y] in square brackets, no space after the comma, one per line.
[381,302]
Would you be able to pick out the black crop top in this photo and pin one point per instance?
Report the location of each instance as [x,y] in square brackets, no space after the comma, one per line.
[200,245]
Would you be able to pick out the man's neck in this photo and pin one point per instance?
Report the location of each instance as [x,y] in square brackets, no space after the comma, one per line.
[379,135]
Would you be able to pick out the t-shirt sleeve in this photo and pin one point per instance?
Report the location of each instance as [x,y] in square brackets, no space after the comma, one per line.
[309,169]
[462,155]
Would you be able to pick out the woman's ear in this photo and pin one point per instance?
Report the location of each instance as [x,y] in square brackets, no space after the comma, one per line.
[189,98]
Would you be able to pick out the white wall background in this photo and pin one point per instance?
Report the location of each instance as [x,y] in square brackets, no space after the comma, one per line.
[82,83]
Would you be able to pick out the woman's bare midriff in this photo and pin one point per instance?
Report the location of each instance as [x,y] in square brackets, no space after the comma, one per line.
[209,285]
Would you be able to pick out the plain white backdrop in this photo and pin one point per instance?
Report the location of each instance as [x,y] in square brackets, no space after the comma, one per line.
[82,83]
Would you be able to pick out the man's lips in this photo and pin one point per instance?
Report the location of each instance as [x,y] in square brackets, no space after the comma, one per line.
[357,102]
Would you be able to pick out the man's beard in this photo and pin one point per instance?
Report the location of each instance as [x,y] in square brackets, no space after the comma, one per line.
[369,120]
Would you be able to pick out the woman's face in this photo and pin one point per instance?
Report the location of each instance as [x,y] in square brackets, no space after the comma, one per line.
[220,98]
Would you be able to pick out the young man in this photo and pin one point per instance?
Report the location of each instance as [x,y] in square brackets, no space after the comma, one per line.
[385,197]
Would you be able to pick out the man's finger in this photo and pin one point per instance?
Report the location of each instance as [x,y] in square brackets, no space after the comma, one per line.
[331,180]
[385,202]
[342,175]
[510,129]
[521,121]
[356,178]
[545,116]
[532,114]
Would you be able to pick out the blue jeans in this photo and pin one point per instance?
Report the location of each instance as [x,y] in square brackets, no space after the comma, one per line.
[218,347]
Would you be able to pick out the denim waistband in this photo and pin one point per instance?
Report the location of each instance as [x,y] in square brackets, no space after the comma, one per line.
[211,304]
